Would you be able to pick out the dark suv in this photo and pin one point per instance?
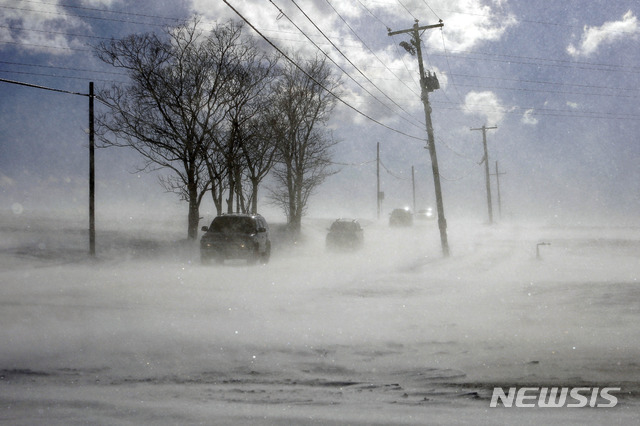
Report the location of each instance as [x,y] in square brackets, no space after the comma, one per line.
[401,217]
[236,236]
[345,235]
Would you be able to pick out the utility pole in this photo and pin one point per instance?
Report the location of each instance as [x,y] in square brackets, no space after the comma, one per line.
[413,184]
[378,178]
[497,175]
[428,83]
[92,180]
[486,168]
[92,177]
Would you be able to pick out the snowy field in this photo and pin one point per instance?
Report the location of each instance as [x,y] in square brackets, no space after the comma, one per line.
[393,334]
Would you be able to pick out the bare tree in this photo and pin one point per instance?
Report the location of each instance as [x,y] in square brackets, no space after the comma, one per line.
[301,109]
[259,152]
[250,88]
[172,109]
[250,116]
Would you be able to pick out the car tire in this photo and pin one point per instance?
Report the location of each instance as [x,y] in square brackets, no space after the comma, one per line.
[264,259]
[254,256]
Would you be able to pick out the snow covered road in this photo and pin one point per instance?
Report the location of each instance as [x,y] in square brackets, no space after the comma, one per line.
[393,334]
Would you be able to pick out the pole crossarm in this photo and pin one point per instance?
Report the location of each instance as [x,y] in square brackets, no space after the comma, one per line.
[485,128]
[425,27]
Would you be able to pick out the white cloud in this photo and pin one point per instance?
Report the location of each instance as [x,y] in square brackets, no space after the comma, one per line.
[608,33]
[467,23]
[44,27]
[475,23]
[573,105]
[485,104]
[38,27]
[528,117]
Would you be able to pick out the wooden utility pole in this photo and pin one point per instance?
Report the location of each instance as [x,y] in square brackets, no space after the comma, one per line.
[413,185]
[92,177]
[486,168]
[428,83]
[92,180]
[497,175]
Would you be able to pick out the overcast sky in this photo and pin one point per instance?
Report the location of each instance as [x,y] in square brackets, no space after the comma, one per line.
[560,80]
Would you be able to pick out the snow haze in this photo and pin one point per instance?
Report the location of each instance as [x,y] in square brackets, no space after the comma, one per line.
[394,333]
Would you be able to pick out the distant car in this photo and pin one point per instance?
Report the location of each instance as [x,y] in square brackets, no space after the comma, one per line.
[345,234]
[401,217]
[425,214]
[236,236]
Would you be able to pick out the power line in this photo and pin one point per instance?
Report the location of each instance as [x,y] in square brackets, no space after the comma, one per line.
[403,61]
[60,68]
[456,179]
[339,99]
[522,89]
[431,9]
[350,62]
[518,110]
[372,14]
[441,141]
[98,18]
[95,9]
[395,44]
[363,163]
[35,86]
[528,89]
[591,86]
[53,32]
[419,125]
[562,64]
[455,84]
[570,63]
[408,11]
[528,60]
[391,173]
[529,21]
[91,96]
[444,47]
[108,38]
[74,49]
[57,76]
[359,1]
[370,50]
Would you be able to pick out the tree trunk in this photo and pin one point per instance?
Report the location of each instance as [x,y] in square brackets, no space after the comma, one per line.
[217,201]
[194,213]
[254,196]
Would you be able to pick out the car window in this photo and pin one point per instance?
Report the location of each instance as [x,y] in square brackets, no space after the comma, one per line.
[231,224]
[344,226]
